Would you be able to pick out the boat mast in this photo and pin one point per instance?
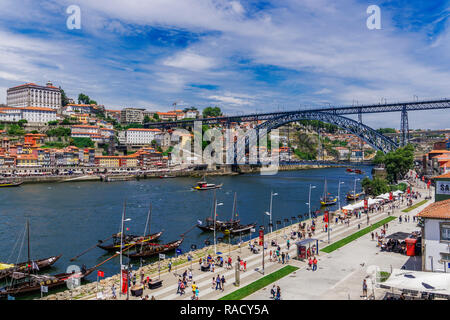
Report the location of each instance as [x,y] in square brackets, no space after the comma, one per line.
[234,208]
[148,217]
[28,236]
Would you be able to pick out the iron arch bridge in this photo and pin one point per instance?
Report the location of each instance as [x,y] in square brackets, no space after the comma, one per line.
[369,135]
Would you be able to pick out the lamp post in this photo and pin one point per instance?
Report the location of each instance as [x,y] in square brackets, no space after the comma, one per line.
[121,249]
[339,193]
[263,246]
[270,209]
[309,203]
[354,190]
[215,214]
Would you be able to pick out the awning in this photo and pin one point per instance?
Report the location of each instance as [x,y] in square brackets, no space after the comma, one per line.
[431,282]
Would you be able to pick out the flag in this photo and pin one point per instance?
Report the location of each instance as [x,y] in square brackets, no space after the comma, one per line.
[199,222]
[423,178]
[34,266]
[390,196]
[268,213]
[100,273]
[428,184]
[44,289]
[408,190]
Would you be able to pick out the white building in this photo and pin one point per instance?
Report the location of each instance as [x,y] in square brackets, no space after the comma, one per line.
[436,237]
[33,95]
[138,136]
[38,114]
[31,114]
[10,114]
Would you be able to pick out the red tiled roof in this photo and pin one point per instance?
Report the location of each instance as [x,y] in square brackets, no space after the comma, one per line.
[445,175]
[141,129]
[437,210]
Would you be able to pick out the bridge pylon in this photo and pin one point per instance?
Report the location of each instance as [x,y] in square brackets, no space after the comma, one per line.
[404,127]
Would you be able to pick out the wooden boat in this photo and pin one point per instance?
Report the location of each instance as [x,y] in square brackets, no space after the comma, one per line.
[203,185]
[349,170]
[327,199]
[352,196]
[24,283]
[240,229]
[220,225]
[128,240]
[234,226]
[166,176]
[359,171]
[151,249]
[42,264]
[5,184]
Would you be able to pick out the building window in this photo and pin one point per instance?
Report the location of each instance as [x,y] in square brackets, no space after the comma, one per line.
[445,232]
[445,256]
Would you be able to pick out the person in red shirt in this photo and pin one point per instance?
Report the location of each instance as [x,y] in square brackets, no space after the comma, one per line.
[314,264]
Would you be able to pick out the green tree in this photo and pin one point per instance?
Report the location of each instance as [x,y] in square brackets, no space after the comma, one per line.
[212,112]
[375,187]
[84,99]
[82,142]
[398,162]
[21,122]
[59,132]
[64,99]
[146,119]
[156,117]
[15,130]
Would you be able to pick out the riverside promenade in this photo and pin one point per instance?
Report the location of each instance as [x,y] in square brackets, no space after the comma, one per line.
[336,270]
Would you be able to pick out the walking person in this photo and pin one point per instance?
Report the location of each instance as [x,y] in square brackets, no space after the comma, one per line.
[282,257]
[170,266]
[222,281]
[194,286]
[273,291]
[314,264]
[113,291]
[278,294]
[218,283]
[245,265]
[364,288]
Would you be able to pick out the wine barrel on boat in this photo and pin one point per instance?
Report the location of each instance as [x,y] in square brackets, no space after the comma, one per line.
[128,241]
[25,283]
[41,264]
[151,249]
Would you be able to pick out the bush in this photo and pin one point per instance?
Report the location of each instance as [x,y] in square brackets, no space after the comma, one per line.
[82,142]
[59,132]
[15,130]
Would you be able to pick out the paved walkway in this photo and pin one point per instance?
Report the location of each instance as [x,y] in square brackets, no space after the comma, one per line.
[334,269]
[340,273]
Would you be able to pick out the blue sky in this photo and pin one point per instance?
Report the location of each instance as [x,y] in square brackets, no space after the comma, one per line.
[242,55]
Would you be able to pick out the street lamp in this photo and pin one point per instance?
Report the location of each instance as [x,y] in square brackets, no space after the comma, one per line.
[354,189]
[339,193]
[270,210]
[121,248]
[309,203]
[215,214]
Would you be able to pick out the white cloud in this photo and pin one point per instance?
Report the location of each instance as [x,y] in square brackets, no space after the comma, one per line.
[190,61]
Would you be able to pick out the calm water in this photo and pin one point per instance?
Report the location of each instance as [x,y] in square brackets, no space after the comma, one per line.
[68,218]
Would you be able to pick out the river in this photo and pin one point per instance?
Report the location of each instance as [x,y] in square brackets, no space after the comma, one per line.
[67,218]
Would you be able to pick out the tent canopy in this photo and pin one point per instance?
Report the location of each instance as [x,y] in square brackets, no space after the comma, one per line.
[431,282]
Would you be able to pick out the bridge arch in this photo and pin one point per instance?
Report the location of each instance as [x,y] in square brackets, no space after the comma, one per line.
[369,135]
